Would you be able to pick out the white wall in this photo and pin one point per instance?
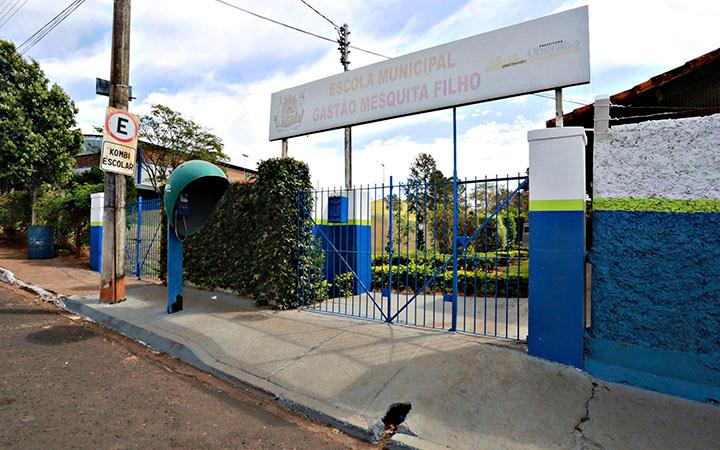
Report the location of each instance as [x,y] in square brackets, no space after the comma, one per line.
[677,159]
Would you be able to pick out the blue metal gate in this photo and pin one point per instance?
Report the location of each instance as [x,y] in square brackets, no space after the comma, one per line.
[143,234]
[387,253]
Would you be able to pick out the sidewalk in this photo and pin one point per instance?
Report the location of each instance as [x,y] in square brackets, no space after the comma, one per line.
[465,392]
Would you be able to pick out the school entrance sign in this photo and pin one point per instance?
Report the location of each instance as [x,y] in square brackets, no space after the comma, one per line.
[119,145]
[537,55]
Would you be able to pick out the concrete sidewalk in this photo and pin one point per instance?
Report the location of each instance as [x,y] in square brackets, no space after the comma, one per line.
[465,392]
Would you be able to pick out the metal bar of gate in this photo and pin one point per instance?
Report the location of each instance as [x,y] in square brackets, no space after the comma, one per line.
[455,227]
[343,260]
[464,247]
[139,237]
[390,254]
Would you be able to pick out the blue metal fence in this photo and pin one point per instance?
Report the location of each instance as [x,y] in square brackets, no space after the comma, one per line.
[388,254]
[143,234]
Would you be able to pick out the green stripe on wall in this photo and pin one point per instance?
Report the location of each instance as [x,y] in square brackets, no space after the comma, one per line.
[557,205]
[96,224]
[657,205]
[349,222]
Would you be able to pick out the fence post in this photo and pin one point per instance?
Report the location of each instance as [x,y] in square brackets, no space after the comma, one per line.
[602,118]
[390,252]
[138,236]
[557,244]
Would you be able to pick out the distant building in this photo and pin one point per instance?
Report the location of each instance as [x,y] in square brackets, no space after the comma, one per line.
[90,157]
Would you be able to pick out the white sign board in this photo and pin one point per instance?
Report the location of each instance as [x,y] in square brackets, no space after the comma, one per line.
[120,138]
[533,56]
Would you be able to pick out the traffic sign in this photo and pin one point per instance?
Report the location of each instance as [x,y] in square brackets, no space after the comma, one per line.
[120,139]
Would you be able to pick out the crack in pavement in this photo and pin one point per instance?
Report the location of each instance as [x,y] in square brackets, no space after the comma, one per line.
[584,442]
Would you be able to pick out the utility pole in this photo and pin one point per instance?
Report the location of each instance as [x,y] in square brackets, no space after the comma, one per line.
[112,278]
[343,34]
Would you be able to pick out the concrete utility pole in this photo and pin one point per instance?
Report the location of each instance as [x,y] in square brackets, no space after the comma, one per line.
[112,278]
[344,32]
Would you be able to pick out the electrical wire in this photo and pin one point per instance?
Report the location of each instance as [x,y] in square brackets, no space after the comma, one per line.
[6,6]
[3,22]
[310,33]
[48,27]
[320,14]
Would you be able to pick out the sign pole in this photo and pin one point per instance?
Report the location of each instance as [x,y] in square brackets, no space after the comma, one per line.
[112,278]
[284,149]
[558,108]
[455,227]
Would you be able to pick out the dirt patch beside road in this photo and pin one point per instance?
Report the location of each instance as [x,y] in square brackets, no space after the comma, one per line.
[63,275]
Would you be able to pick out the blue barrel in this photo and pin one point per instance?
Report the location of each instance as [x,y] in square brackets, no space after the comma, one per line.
[41,243]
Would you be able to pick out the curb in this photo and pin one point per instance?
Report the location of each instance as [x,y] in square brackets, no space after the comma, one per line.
[355,425]
[8,277]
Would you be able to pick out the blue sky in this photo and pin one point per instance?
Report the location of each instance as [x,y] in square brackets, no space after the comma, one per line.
[219,66]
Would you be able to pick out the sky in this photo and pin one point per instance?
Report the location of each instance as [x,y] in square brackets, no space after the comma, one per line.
[219,67]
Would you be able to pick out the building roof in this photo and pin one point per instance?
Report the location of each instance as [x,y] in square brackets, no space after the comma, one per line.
[692,89]
[93,143]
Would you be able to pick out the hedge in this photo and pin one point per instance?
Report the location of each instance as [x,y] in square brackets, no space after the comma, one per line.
[250,244]
[479,261]
[470,282]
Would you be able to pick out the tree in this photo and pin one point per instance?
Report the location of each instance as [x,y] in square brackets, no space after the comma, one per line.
[38,139]
[419,193]
[174,139]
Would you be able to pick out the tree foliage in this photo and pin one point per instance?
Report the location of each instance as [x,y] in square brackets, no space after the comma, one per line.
[174,139]
[420,193]
[37,139]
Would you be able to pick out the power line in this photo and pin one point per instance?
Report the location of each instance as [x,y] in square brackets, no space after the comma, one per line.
[8,8]
[277,22]
[48,27]
[5,7]
[320,14]
[13,14]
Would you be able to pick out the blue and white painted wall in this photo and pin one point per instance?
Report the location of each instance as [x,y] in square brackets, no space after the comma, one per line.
[557,244]
[96,229]
[655,318]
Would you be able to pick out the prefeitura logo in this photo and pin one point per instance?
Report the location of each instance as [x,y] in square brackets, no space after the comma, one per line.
[291,112]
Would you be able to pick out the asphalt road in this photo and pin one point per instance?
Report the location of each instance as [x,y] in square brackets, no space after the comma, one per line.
[67,383]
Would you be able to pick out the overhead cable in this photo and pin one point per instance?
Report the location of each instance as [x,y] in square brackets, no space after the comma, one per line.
[320,14]
[48,27]
[10,13]
[277,22]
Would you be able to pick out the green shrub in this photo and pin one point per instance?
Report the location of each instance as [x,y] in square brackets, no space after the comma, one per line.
[15,209]
[251,244]
[470,282]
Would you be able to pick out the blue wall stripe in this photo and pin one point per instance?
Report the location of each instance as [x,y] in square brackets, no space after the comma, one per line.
[557,288]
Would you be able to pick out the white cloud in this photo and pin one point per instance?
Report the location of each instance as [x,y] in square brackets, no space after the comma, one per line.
[219,67]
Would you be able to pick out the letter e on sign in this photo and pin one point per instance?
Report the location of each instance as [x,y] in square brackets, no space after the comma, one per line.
[119,142]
